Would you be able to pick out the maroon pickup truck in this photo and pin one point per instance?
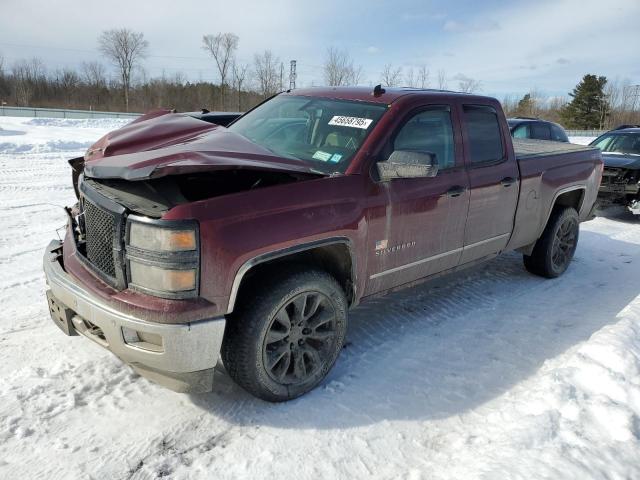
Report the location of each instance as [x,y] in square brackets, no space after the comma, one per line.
[192,242]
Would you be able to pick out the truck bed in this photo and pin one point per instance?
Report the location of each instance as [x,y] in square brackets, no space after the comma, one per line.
[528,148]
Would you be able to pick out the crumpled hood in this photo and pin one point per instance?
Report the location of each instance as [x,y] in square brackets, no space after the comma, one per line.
[621,161]
[164,143]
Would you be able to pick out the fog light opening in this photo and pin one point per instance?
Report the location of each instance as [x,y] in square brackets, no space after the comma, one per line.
[144,340]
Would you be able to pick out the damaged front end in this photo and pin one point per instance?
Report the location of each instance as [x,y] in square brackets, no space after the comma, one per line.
[620,186]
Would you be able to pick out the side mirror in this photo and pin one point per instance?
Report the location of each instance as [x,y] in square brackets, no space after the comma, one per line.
[408,164]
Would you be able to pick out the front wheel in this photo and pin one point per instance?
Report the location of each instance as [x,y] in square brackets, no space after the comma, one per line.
[554,250]
[288,336]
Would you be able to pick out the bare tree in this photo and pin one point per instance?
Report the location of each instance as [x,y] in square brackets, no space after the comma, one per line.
[339,68]
[442,80]
[28,76]
[391,77]
[239,77]
[423,77]
[613,93]
[356,75]
[68,81]
[221,47]
[410,78]
[467,84]
[266,72]
[94,76]
[125,49]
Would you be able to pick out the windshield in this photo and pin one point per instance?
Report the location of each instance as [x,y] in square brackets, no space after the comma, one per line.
[621,143]
[323,132]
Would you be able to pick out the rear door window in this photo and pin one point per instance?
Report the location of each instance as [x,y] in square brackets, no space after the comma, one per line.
[483,134]
[558,134]
[540,131]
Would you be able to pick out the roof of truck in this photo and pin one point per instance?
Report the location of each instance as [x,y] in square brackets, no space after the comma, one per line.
[365,94]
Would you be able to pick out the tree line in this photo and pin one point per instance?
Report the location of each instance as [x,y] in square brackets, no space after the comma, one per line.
[595,103]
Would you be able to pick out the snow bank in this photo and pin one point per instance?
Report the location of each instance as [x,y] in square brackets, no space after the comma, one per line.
[109,123]
[19,135]
[582,140]
[490,374]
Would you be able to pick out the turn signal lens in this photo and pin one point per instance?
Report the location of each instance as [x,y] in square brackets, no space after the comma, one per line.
[162,279]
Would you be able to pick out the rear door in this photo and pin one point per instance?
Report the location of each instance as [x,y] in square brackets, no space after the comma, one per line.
[416,227]
[493,182]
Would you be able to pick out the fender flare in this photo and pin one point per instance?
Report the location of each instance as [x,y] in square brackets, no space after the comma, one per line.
[562,191]
[273,255]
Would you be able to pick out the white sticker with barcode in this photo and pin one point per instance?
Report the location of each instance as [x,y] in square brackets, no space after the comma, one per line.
[354,122]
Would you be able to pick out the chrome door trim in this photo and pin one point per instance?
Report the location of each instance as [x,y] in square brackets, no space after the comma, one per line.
[417,262]
[439,256]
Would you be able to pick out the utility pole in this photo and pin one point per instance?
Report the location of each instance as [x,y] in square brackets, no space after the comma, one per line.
[281,76]
[292,75]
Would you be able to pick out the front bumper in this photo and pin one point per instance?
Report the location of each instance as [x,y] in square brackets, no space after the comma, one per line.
[179,356]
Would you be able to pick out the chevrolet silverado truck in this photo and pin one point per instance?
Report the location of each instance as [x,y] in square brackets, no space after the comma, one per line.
[621,176]
[193,243]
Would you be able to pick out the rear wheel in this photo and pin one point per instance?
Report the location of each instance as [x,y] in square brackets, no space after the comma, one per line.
[554,250]
[287,338]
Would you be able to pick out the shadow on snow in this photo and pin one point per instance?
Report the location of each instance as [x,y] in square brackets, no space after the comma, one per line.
[448,346]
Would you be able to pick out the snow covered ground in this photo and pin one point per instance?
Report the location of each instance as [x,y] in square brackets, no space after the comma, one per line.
[581,140]
[491,374]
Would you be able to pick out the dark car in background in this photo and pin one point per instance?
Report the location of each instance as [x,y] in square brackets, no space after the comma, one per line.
[621,176]
[219,118]
[527,127]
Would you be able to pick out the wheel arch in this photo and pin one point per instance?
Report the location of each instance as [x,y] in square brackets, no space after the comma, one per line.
[334,255]
[569,197]
[572,196]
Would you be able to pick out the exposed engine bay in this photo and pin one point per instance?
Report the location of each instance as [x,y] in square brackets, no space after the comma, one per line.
[620,186]
[154,197]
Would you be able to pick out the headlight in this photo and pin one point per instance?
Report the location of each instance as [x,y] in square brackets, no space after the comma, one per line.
[150,237]
[162,279]
[163,257]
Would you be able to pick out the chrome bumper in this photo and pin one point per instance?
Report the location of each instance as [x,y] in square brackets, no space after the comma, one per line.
[179,356]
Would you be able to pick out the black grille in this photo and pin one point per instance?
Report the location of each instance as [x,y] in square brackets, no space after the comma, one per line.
[100,228]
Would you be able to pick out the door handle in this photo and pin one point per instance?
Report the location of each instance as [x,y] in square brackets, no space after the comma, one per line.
[507,181]
[456,191]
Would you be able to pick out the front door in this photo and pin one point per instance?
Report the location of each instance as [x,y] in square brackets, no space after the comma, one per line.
[493,182]
[416,225]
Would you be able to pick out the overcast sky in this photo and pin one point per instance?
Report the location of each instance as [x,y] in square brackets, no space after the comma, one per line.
[510,46]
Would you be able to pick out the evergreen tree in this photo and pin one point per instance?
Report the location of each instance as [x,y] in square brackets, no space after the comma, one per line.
[589,107]
[525,106]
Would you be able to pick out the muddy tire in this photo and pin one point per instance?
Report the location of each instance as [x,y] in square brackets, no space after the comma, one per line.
[286,337]
[554,250]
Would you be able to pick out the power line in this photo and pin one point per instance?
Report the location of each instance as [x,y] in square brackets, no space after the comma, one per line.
[49,47]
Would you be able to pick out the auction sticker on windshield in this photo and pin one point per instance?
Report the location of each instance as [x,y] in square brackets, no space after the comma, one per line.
[355,122]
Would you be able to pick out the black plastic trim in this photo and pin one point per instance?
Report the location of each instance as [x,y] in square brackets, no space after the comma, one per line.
[119,213]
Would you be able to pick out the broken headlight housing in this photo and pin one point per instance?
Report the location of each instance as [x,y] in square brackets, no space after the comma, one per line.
[163,257]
